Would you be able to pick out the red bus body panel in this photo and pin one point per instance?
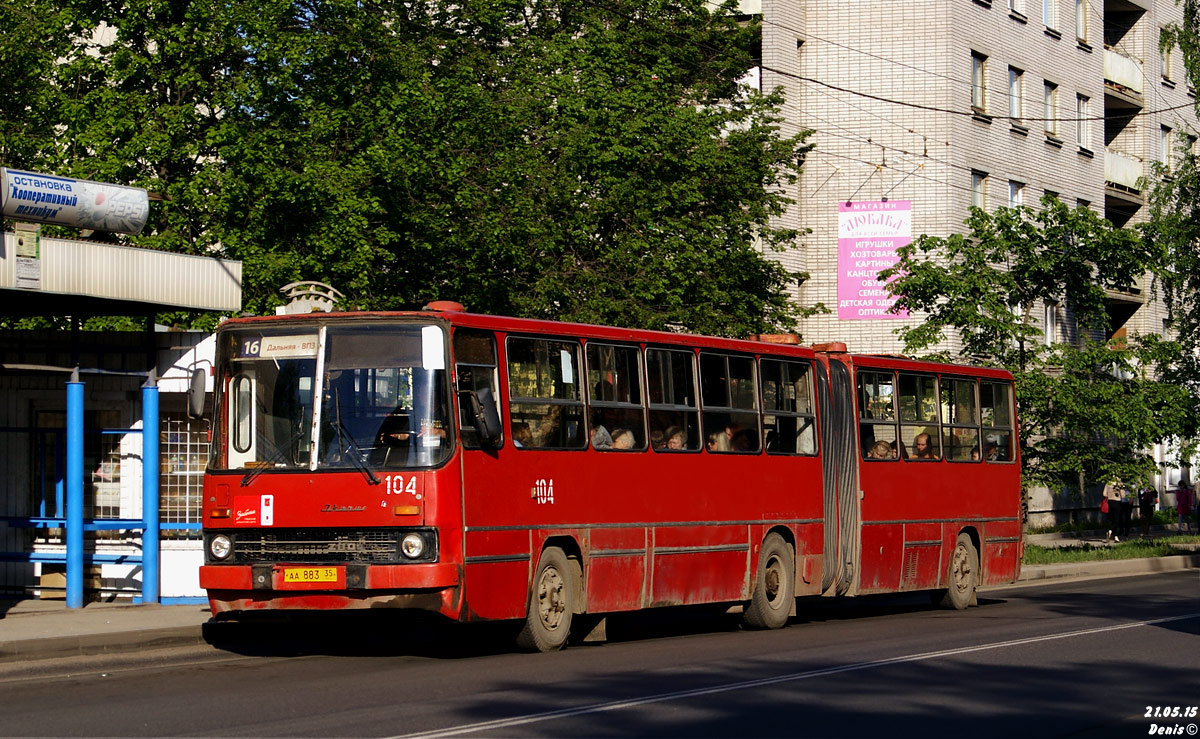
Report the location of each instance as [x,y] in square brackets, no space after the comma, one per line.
[648,528]
[913,511]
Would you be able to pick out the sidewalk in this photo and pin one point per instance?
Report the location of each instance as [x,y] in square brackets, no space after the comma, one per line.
[43,629]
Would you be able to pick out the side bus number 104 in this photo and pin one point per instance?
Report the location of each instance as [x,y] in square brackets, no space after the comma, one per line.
[543,491]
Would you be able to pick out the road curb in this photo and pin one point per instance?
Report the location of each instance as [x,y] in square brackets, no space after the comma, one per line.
[1110,568]
[78,645]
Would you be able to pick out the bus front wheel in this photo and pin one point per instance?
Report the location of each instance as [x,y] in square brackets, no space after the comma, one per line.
[774,586]
[551,604]
[963,575]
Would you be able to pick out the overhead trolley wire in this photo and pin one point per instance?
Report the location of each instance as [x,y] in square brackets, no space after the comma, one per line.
[970,113]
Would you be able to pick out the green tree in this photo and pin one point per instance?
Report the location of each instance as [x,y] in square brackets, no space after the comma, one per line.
[1088,409]
[594,162]
[1173,227]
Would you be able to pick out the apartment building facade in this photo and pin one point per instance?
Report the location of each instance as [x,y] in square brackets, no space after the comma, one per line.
[920,110]
[924,109]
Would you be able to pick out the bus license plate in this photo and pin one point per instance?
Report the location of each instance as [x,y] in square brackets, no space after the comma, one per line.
[310,574]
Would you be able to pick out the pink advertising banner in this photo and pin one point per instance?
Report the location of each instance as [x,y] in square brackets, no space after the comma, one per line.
[869,233]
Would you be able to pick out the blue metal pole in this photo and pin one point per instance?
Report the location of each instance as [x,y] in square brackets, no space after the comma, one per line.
[60,474]
[150,548]
[74,513]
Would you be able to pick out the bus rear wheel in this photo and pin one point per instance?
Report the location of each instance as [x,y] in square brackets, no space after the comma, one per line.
[774,586]
[551,604]
[962,576]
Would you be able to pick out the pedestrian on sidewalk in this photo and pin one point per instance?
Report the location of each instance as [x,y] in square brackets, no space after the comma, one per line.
[1113,493]
[1184,501]
[1147,497]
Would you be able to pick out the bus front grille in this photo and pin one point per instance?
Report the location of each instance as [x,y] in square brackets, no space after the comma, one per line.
[317,545]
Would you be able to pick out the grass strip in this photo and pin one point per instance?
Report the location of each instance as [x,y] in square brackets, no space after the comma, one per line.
[1135,549]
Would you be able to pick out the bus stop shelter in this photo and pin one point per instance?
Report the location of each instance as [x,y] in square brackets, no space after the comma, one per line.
[74,280]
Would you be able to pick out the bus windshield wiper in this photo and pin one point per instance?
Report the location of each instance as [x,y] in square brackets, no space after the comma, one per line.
[275,456]
[346,442]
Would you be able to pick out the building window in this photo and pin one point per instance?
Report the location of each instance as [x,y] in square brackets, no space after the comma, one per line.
[1050,323]
[1016,194]
[1050,98]
[1085,204]
[1081,24]
[1016,103]
[1082,124]
[1164,58]
[1050,14]
[978,82]
[979,181]
[1164,147]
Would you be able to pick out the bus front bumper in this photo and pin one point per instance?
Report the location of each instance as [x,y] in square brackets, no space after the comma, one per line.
[431,587]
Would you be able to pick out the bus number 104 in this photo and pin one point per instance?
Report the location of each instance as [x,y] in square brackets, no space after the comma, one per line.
[397,485]
[543,491]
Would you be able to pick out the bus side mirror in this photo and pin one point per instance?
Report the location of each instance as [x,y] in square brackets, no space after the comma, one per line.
[196,394]
[484,414]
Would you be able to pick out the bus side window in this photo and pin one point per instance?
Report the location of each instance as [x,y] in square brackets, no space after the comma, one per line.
[920,434]
[671,390]
[877,436]
[730,397]
[961,412]
[544,392]
[995,405]
[616,418]
[475,369]
[788,421]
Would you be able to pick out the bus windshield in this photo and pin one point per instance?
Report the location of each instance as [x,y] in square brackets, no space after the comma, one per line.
[383,390]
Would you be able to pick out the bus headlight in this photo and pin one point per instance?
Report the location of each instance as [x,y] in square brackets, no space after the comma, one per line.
[220,546]
[413,546]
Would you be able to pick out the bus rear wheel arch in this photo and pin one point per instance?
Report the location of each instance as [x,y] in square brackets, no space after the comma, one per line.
[553,599]
[774,592]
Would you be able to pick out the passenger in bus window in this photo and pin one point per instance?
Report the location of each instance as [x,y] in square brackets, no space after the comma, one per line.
[601,439]
[623,439]
[521,434]
[923,447]
[676,439]
[772,440]
[718,442]
[991,452]
[657,440]
[881,450]
[1003,447]
[744,440]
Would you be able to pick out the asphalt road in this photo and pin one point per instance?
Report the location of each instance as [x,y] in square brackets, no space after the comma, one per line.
[1060,659]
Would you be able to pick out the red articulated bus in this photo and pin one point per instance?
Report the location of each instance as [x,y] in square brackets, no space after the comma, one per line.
[484,467]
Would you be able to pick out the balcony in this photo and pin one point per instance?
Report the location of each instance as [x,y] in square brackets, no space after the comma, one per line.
[745,7]
[1122,186]
[1123,78]
[1123,171]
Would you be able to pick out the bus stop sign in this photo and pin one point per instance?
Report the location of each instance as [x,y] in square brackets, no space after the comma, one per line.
[64,201]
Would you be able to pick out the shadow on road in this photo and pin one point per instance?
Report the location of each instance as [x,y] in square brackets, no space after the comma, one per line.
[387,633]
